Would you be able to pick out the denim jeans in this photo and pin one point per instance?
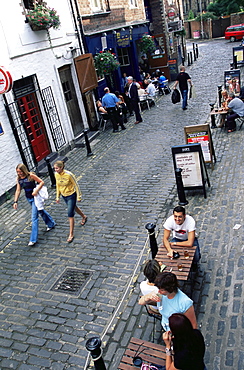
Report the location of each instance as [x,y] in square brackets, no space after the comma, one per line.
[197,255]
[34,218]
[70,200]
[184,98]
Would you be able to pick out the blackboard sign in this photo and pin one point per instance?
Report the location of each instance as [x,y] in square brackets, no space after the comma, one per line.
[238,52]
[201,134]
[173,69]
[190,159]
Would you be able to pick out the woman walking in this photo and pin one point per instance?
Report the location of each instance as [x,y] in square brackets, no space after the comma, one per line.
[67,186]
[31,184]
[188,345]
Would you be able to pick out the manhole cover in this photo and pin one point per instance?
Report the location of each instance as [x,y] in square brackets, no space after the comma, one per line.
[71,281]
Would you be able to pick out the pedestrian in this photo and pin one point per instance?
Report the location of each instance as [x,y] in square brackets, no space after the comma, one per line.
[134,98]
[32,185]
[170,299]
[183,79]
[67,186]
[183,228]
[111,103]
[161,83]
[122,106]
[187,344]
[237,106]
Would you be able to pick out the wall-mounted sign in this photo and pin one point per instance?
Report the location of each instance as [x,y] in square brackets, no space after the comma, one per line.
[123,38]
[171,14]
[6,81]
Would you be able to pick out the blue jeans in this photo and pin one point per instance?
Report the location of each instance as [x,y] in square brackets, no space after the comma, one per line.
[184,98]
[34,218]
[197,255]
[70,200]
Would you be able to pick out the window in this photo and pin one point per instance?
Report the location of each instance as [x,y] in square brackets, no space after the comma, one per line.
[29,4]
[123,56]
[100,5]
[133,3]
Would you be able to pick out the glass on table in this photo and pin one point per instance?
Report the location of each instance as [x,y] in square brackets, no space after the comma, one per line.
[180,266]
[186,255]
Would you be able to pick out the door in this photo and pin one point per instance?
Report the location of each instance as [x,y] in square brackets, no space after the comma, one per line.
[31,116]
[71,100]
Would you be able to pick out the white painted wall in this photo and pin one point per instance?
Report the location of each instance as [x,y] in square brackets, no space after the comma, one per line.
[25,52]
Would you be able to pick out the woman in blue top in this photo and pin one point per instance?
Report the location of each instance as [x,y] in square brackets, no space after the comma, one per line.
[31,184]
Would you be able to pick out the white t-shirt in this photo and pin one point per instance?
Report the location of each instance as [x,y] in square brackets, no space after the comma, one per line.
[146,289]
[180,231]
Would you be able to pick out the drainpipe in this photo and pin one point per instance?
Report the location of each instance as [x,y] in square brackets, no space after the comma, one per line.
[78,18]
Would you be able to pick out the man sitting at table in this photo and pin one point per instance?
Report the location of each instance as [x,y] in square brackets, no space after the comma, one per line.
[237,106]
[183,228]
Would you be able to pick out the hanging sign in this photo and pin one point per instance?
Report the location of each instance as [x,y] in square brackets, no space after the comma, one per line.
[6,80]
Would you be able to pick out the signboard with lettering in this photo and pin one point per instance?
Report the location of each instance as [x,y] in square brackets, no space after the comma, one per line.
[201,134]
[238,52]
[1,129]
[173,68]
[6,81]
[190,159]
[232,81]
[123,39]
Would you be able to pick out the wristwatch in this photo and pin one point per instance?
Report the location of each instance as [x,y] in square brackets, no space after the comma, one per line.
[174,243]
[168,352]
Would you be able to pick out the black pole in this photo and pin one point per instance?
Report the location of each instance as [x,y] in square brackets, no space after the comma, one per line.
[50,171]
[188,59]
[88,147]
[153,242]
[183,61]
[191,61]
[219,94]
[235,61]
[94,346]
[180,187]
[196,50]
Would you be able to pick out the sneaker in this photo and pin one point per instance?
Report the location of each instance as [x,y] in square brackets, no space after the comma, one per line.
[31,244]
[50,228]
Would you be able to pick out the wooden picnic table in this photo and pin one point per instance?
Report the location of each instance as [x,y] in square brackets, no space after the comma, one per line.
[151,354]
[172,264]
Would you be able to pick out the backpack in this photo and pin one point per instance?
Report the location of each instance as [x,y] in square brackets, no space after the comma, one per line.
[175,97]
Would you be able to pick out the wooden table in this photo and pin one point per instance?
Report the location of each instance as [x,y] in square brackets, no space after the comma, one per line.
[216,112]
[173,263]
[152,353]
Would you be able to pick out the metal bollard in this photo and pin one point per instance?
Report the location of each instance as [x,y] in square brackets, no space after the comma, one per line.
[188,59]
[196,50]
[183,61]
[88,147]
[219,94]
[180,187]
[94,346]
[191,61]
[153,242]
[235,61]
[50,171]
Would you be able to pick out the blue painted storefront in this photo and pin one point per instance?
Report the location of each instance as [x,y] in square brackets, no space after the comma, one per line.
[133,34]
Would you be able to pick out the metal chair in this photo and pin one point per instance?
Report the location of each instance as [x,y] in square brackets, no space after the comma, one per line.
[155,317]
[103,120]
[241,121]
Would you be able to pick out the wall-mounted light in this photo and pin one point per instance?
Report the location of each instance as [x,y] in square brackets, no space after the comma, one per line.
[104,34]
[131,27]
[114,32]
[123,29]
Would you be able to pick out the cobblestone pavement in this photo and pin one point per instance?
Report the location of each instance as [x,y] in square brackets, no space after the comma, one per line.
[128,182]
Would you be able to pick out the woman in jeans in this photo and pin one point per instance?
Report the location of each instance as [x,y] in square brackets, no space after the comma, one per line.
[67,186]
[31,184]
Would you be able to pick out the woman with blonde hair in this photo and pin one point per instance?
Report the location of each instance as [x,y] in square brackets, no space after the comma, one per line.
[67,186]
[27,180]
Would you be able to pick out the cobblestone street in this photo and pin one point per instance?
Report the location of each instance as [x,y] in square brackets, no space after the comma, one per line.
[128,182]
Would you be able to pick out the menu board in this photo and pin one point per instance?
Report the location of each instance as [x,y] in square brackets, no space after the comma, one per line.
[190,159]
[201,134]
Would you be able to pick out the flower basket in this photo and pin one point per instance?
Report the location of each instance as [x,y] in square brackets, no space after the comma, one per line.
[147,44]
[42,18]
[105,63]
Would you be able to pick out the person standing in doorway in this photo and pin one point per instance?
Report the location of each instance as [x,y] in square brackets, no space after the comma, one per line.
[183,79]
[67,186]
[32,185]
[133,95]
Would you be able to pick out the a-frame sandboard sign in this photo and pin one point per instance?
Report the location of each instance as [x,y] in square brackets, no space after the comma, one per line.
[201,134]
[194,172]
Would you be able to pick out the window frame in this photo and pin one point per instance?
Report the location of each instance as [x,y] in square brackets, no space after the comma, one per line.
[123,56]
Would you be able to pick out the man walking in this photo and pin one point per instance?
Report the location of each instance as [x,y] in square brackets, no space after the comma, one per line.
[183,228]
[237,107]
[183,79]
[133,95]
[110,102]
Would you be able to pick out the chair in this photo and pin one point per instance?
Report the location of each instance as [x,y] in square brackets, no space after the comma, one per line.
[142,100]
[103,120]
[155,317]
[241,121]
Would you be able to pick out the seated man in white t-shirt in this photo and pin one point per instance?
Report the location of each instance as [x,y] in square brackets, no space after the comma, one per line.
[183,228]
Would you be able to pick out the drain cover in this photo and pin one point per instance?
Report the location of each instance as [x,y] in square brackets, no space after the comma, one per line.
[71,281]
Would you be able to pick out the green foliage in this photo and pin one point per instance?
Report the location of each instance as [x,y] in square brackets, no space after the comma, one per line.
[105,63]
[205,16]
[180,33]
[225,7]
[190,15]
[147,44]
[43,17]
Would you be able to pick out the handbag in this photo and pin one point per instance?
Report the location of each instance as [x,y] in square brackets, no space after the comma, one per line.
[175,97]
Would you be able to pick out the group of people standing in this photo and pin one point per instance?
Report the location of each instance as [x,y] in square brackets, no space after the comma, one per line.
[66,185]
[185,346]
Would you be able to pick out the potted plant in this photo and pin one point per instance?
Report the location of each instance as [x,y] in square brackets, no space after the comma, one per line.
[147,44]
[105,63]
[42,18]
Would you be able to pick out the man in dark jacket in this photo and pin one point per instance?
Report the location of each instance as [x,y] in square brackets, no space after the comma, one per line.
[133,95]
[182,79]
